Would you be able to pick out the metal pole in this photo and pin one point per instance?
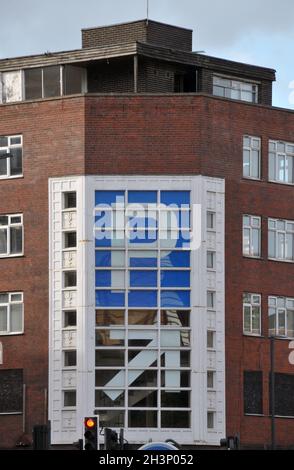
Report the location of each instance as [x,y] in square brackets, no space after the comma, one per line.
[147,11]
[24,408]
[272,393]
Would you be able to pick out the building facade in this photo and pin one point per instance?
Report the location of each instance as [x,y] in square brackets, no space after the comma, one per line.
[146,243]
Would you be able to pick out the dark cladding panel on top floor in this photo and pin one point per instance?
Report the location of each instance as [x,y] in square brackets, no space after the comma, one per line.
[11,391]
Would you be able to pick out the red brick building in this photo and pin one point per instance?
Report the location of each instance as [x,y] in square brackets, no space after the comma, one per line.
[137,113]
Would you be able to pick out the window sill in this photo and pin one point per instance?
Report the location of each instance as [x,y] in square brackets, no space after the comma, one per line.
[257,258]
[281,338]
[255,415]
[12,256]
[250,178]
[276,260]
[11,413]
[281,182]
[5,178]
[251,335]
[11,334]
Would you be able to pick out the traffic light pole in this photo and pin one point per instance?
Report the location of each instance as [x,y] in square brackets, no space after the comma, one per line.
[272,393]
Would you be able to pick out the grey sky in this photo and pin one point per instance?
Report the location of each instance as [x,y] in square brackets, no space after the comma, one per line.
[255,31]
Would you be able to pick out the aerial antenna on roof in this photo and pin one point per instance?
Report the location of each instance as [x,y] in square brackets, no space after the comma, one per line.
[147,6]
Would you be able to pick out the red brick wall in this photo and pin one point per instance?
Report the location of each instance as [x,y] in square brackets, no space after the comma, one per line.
[148,135]
[53,145]
[188,135]
[152,32]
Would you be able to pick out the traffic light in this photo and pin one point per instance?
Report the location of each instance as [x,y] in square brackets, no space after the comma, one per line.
[230,442]
[90,434]
[110,439]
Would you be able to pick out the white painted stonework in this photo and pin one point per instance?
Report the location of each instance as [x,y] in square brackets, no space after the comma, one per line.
[67,422]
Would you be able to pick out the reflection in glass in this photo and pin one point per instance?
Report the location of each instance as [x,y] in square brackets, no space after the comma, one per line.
[142,419]
[110,317]
[111,418]
[103,377]
[103,398]
[142,378]
[175,318]
[109,358]
[142,398]
[175,419]
[139,358]
[110,338]
[172,358]
[175,378]
[142,338]
[142,317]
[175,338]
[175,399]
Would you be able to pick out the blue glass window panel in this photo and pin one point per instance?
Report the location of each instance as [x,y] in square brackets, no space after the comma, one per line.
[175,299]
[183,240]
[175,239]
[142,236]
[109,197]
[108,298]
[175,259]
[141,260]
[103,279]
[142,197]
[109,238]
[143,279]
[102,239]
[174,219]
[175,279]
[184,219]
[136,222]
[175,197]
[143,298]
[103,219]
[103,259]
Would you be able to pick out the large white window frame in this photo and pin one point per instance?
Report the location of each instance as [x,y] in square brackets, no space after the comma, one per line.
[281,162]
[281,240]
[159,334]
[279,310]
[8,300]
[251,312]
[251,234]
[208,192]
[251,157]
[235,88]
[12,222]
[6,149]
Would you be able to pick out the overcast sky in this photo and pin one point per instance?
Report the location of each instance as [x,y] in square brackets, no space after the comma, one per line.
[255,31]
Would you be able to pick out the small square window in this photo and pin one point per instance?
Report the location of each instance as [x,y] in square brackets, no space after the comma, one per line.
[210,339]
[211,260]
[70,358]
[70,200]
[69,318]
[210,379]
[210,419]
[70,398]
[210,300]
[210,220]
[70,279]
[70,239]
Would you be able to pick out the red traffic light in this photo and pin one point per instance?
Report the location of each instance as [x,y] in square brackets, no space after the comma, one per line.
[90,423]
